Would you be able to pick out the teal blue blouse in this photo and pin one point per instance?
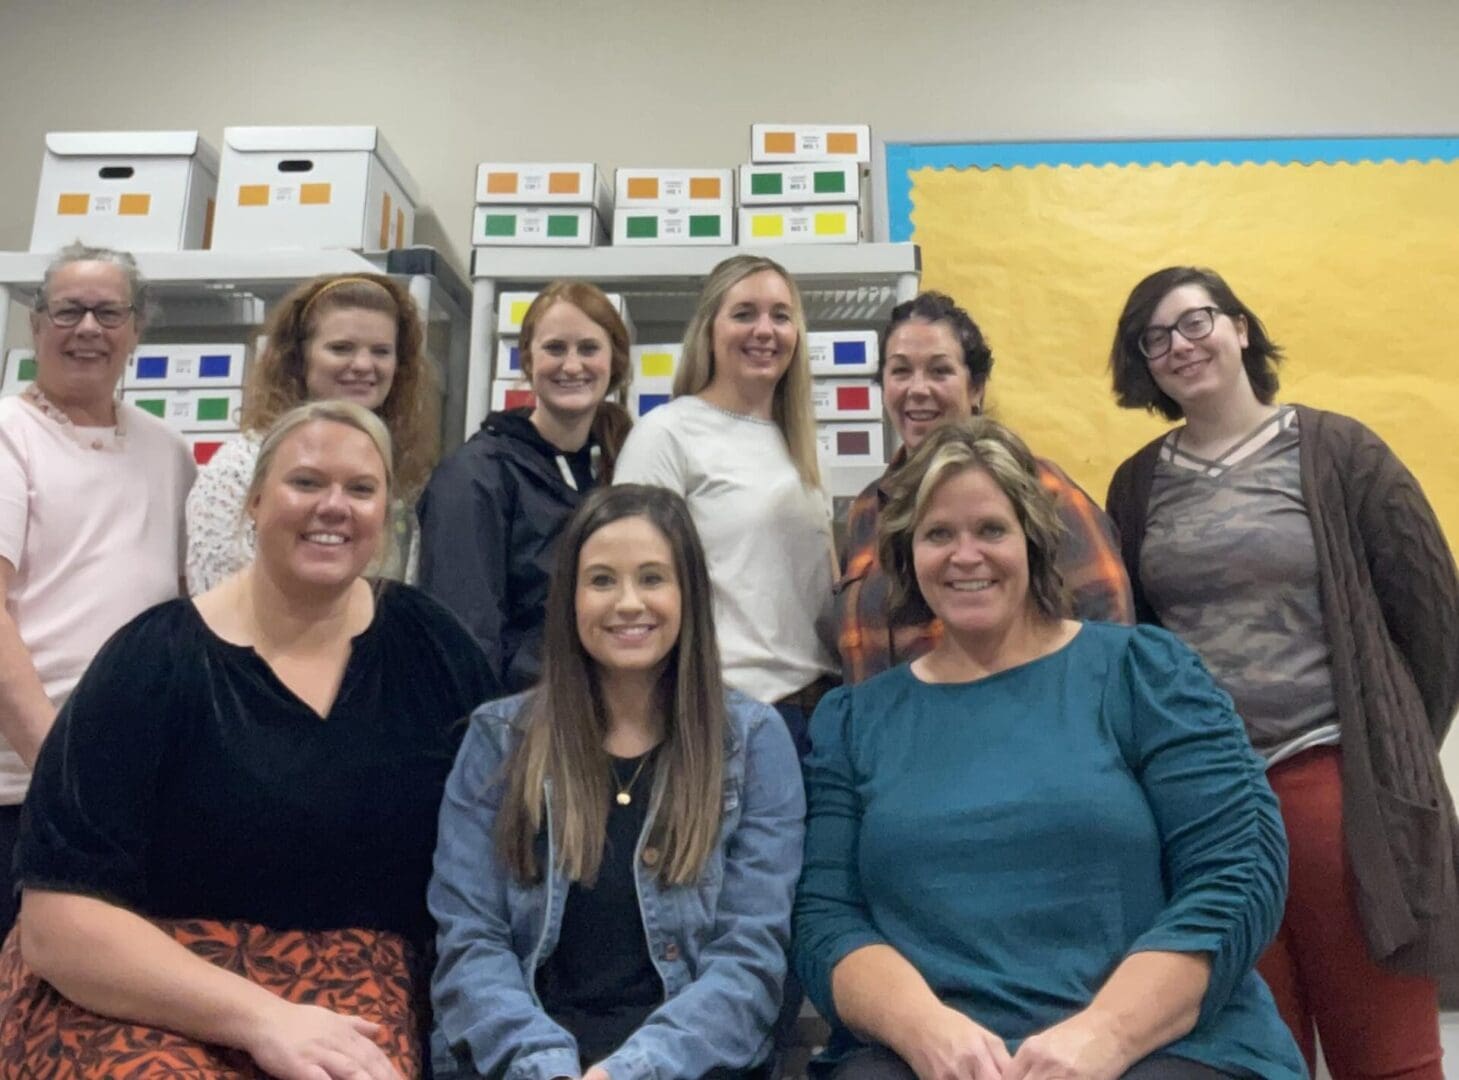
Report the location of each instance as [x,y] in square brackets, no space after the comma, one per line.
[1016,837]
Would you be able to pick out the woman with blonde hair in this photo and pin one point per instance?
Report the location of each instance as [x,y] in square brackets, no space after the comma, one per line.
[353,337]
[739,443]
[491,515]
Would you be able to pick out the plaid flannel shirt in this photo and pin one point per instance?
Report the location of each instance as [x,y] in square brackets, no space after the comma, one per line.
[1089,562]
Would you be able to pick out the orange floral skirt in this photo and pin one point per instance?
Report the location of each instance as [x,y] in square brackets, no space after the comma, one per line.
[367,973]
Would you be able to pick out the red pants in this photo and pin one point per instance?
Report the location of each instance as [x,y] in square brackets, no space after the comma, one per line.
[1371,1022]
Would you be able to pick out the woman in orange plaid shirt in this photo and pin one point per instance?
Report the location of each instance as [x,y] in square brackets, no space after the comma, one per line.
[934,369]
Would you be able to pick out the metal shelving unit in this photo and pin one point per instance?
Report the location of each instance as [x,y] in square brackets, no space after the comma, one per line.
[844,286]
[223,296]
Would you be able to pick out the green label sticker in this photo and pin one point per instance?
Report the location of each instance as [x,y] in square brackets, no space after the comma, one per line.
[27,369]
[644,227]
[562,224]
[830,182]
[212,408]
[766,184]
[501,225]
[703,224]
[156,406]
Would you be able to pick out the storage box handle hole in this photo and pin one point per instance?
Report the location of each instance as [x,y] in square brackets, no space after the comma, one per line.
[117,172]
[296,165]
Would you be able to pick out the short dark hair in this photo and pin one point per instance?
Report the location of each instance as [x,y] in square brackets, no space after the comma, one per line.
[1133,385]
[937,307]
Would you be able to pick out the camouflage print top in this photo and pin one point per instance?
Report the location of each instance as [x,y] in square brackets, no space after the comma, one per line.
[1229,564]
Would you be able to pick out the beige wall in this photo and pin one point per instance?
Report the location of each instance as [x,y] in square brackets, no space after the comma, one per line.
[654,82]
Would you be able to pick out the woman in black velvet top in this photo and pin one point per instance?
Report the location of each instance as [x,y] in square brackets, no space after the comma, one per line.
[236,811]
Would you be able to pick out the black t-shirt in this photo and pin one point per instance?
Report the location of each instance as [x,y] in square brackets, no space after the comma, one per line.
[184,780]
[600,983]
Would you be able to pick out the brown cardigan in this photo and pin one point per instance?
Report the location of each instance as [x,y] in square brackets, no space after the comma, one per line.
[1390,604]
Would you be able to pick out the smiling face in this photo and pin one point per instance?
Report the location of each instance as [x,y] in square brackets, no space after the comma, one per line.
[753,336]
[925,381]
[82,364]
[970,556]
[570,364]
[628,598]
[350,355]
[1207,371]
[320,509]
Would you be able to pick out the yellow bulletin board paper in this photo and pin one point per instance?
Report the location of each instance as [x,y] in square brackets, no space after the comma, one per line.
[1350,263]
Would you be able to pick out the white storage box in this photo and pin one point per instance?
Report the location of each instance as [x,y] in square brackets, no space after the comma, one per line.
[536,226]
[544,183]
[852,444]
[644,398]
[511,394]
[846,399]
[843,352]
[191,410]
[777,185]
[205,446]
[674,225]
[178,367]
[800,224]
[709,188]
[655,362]
[511,309]
[19,371]
[771,143]
[131,190]
[306,188]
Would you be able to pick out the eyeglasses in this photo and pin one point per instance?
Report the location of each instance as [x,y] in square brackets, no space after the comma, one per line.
[67,315]
[1193,325]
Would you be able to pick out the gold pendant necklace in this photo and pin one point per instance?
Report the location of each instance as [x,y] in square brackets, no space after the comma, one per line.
[625,791]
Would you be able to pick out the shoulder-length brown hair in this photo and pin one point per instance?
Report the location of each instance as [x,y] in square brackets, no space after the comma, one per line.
[565,720]
[276,381]
[611,422]
[791,408]
[975,443]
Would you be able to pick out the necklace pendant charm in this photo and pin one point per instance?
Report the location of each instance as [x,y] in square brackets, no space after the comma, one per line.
[624,798]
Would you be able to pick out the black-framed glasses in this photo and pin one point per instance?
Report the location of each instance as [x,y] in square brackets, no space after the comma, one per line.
[1193,325]
[66,314]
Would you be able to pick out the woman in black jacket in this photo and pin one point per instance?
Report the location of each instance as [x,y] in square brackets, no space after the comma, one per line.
[493,510]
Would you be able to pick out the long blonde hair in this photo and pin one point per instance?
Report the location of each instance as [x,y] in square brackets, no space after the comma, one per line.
[791,408]
[566,720]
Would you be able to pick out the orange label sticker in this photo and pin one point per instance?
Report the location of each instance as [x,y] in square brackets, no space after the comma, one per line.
[385,223]
[314,194]
[252,194]
[779,142]
[135,204]
[643,187]
[704,187]
[501,183]
[841,142]
[73,204]
[208,225]
[563,183]
[399,227]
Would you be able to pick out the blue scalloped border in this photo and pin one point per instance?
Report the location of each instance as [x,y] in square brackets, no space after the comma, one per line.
[902,159]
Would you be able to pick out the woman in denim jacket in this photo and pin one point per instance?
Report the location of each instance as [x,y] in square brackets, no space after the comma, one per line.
[618,846]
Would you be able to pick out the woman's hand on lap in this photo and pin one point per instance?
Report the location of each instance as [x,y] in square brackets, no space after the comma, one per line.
[1079,1048]
[597,1072]
[949,1046]
[305,1042]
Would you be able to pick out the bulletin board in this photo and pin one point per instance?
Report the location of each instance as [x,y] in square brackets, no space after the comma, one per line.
[1347,249]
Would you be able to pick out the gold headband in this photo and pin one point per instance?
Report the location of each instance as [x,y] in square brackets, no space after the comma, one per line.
[336,283]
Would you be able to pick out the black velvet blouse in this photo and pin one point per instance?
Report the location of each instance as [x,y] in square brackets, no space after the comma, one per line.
[184,780]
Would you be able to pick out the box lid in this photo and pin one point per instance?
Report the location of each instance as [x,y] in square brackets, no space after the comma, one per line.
[304,140]
[132,144]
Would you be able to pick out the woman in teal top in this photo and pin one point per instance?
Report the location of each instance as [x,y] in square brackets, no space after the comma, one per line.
[1045,849]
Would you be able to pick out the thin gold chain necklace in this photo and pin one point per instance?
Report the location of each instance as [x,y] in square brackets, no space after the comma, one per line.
[625,791]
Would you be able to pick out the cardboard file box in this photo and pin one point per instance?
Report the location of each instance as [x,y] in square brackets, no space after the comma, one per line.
[544,184]
[191,410]
[832,224]
[843,352]
[709,188]
[184,367]
[778,185]
[846,399]
[306,188]
[674,225]
[852,444]
[536,226]
[770,143]
[131,190]
[511,309]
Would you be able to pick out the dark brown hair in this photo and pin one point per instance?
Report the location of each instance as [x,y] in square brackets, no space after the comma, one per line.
[936,307]
[566,720]
[1133,385]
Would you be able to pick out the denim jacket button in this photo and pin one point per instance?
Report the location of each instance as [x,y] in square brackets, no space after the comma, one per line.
[650,856]
[671,952]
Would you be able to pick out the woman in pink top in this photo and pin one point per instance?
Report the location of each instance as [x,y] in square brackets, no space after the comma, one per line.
[91,495]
